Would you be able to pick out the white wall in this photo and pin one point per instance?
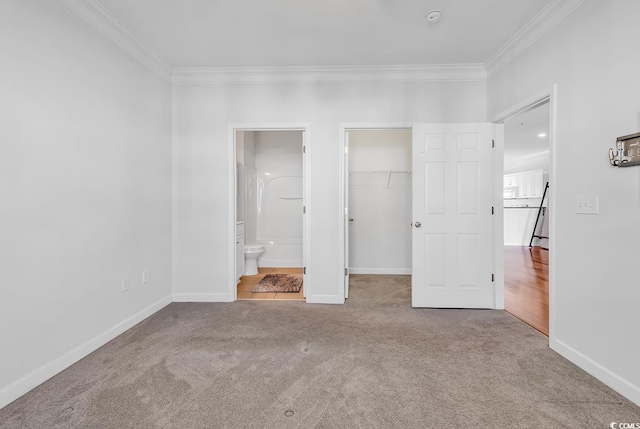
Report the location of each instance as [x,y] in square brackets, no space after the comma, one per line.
[241,194]
[85,185]
[246,204]
[380,236]
[278,157]
[592,56]
[541,162]
[202,170]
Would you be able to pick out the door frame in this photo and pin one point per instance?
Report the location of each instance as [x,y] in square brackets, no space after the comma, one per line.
[344,171]
[232,128]
[549,94]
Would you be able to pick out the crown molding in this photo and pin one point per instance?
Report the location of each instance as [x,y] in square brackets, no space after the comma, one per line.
[105,22]
[328,74]
[534,157]
[537,27]
[526,162]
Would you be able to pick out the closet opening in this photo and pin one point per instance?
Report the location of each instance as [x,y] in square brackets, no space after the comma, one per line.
[377,201]
[270,208]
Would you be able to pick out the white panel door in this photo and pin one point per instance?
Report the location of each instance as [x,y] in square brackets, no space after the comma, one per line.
[452,216]
[305,184]
[347,216]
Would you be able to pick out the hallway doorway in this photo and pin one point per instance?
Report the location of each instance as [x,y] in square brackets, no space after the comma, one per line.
[526,215]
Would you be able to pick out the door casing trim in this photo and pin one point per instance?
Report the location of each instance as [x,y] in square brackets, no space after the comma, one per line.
[549,94]
[344,128]
[232,162]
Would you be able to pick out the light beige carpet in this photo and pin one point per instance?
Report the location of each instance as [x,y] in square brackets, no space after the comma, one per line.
[372,363]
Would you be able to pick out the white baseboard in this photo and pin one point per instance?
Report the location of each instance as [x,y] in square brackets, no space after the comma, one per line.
[325,299]
[201,297]
[608,377]
[280,263]
[396,271]
[38,376]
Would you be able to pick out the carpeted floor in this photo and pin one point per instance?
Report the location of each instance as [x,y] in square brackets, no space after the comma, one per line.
[372,363]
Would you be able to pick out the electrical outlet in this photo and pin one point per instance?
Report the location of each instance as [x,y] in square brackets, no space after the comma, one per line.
[145,276]
[125,284]
[587,204]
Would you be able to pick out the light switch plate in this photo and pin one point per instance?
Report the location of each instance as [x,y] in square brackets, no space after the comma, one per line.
[587,204]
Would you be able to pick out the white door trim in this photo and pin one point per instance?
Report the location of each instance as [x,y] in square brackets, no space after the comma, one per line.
[231,228]
[343,168]
[498,217]
[550,94]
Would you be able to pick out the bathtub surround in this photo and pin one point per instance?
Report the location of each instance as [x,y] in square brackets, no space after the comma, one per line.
[279,197]
[269,194]
[246,188]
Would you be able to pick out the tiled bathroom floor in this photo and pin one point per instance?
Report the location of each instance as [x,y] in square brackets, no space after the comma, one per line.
[249,282]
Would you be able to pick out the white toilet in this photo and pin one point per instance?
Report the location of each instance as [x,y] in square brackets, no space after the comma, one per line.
[251,254]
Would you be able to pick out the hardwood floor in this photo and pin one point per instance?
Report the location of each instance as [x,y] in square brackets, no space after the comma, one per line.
[526,281]
[249,282]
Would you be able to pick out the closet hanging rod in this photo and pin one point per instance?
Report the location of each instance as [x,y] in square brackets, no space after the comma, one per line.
[380,171]
[389,172]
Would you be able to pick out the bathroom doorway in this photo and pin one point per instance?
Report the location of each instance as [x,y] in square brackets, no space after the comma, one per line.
[269,213]
[377,196]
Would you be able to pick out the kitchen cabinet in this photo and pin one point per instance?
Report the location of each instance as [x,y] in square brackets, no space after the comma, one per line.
[538,182]
[529,184]
[510,180]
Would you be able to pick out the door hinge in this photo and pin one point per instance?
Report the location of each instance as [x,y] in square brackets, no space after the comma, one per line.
[493,278]
[304,270]
[493,211]
[304,209]
[493,144]
[346,271]
[304,149]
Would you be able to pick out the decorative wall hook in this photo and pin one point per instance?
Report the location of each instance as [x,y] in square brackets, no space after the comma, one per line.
[627,152]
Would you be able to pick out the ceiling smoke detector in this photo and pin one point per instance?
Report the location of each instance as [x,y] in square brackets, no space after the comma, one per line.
[433,16]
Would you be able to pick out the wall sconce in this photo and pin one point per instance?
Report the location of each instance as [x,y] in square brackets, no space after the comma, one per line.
[627,152]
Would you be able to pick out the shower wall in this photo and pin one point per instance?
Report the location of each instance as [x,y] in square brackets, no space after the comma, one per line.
[272,188]
[246,209]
